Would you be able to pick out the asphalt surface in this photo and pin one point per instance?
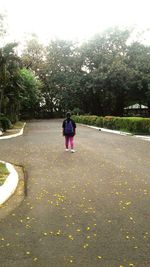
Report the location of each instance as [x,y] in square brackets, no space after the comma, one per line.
[87,209]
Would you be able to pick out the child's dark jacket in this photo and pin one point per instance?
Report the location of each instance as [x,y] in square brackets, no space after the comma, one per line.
[68,120]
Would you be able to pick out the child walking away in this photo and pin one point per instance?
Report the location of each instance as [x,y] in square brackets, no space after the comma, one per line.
[69,130]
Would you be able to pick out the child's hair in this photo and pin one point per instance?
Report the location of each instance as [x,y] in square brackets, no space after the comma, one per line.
[68,115]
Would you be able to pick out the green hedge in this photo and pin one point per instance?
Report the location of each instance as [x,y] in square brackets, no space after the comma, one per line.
[5,123]
[127,124]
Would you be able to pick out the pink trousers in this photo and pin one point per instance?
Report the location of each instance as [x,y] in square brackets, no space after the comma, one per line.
[69,139]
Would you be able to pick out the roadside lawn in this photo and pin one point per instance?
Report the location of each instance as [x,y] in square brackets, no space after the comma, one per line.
[18,125]
[3,173]
[15,128]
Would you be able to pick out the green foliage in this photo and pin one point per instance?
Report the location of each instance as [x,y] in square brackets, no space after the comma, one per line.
[3,173]
[134,125]
[33,55]
[77,111]
[99,122]
[128,124]
[101,77]
[90,120]
[109,122]
[29,94]
[18,125]
[61,77]
[9,86]
[5,123]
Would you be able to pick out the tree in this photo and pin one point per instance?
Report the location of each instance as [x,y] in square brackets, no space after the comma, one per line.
[100,77]
[30,93]
[33,55]
[60,74]
[9,63]
[104,63]
[138,59]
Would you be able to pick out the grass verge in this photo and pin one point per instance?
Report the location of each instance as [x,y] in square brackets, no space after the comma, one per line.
[3,173]
[18,125]
[14,129]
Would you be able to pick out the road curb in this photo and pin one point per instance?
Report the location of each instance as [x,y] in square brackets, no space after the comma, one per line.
[107,130]
[10,185]
[14,135]
[146,138]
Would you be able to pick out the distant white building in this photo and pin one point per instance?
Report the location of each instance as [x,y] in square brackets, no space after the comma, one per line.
[136,110]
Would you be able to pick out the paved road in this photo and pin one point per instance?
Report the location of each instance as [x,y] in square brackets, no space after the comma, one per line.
[86,209]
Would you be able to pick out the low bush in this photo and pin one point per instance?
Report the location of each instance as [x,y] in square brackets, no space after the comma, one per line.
[127,124]
[99,122]
[90,120]
[5,123]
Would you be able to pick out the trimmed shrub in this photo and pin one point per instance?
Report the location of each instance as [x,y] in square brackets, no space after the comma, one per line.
[90,120]
[109,122]
[5,123]
[99,122]
[127,124]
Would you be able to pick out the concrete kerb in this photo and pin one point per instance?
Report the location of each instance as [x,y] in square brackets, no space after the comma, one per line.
[108,130]
[13,135]
[10,185]
[143,137]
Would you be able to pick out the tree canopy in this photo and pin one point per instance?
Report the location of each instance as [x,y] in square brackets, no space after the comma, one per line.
[100,76]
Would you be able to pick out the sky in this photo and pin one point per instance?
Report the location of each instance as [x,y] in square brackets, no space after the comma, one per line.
[72,19]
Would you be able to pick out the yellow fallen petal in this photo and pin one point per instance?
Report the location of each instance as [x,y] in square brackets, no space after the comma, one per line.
[128,203]
[99,257]
[45,234]
[58,233]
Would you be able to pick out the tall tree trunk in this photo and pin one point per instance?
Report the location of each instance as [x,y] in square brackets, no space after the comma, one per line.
[1,99]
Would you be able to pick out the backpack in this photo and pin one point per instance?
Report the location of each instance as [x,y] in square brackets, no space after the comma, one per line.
[68,127]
